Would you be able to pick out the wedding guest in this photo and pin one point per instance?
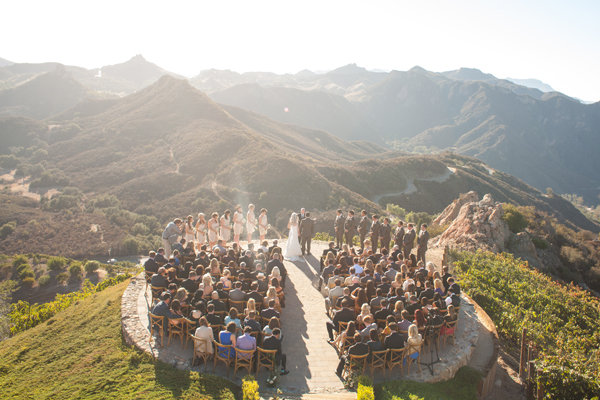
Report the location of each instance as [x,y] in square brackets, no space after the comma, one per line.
[150,265]
[170,234]
[204,332]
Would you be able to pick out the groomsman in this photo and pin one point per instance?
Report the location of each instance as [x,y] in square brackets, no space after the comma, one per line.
[307,228]
[338,226]
[385,233]
[363,228]
[409,240]
[399,234]
[422,243]
[350,227]
[375,225]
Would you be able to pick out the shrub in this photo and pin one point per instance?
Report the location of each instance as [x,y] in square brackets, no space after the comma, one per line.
[44,280]
[140,229]
[56,263]
[91,267]
[26,272]
[29,281]
[19,260]
[75,271]
[129,246]
[7,229]
[514,218]
[62,278]
[324,236]
[539,243]
[365,390]
[250,388]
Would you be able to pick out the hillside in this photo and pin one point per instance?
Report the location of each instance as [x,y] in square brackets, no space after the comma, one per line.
[79,353]
[170,150]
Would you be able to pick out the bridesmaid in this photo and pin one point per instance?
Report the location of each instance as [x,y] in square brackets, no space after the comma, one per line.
[238,224]
[263,224]
[225,227]
[189,229]
[200,230]
[213,230]
[250,222]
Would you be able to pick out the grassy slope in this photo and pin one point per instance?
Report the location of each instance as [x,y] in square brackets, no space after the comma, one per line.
[80,354]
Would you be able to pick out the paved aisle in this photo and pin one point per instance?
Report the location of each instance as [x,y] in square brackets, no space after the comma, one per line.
[310,359]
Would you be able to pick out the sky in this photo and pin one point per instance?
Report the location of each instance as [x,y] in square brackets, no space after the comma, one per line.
[557,42]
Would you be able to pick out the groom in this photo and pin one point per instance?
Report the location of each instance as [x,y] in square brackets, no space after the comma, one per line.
[307,227]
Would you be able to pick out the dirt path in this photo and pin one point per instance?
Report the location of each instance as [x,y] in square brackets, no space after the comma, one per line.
[410,185]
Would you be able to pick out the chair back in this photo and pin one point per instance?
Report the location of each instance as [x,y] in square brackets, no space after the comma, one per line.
[395,358]
[243,359]
[379,360]
[343,326]
[239,305]
[156,291]
[266,358]
[159,321]
[358,362]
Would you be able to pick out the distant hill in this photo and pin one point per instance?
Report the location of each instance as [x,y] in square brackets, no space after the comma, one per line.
[4,62]
[170,150]
[43,96]
[533,83]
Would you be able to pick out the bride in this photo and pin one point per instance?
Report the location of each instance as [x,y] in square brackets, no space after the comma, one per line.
[292,249]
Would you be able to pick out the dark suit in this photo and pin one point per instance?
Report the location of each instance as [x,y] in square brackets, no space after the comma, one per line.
[375,225]
[357,349]
[159,281]
[307,228]
[350,229]
[399,236]
[272,343]
[385,235]
[363,228]
[422,245]
[339,230]
[343,315]
[269,313]
[150,265]
[408,242]
[394,340]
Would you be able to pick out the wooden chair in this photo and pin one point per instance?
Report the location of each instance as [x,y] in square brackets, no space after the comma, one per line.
[159,321]
[266,358]
[243,359]
[216,329]
[258,336]
[222,354]
[395,359]
[409,360]
[238,305]
[348,341]
[199,344]
[190,329]
[177,327]
[379,359]
[148,276]
[355,363]
[343,326]
[156,292]
[264,321]
[450,325]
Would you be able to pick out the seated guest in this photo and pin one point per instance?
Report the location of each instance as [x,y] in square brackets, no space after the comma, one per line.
[204,332]
[414,342]
[216,302]
[445,276]
[438,287]
[251,321]
[428,292]
[201,259]
[438,302]
[150,265]
[191,283]
[250,306]
[412,305]
[206,287]
[374,343]
[394,340]
[226,279]
[346,314]
[233,317]
[263,285]
[279,291]
[172,288]
[273,323]
[162,309]
[450,317]
[388,321]
[404,322]
[365,311]
[376,301]
[176,256]
[160,278]
[160,257]
[327,272]
[178,246]
[228,337]
[420,319]
[333,294]
[369,325]
[345,336]
[398,308]
[270,311]
[248,259]
[176,309]
[214,268]
[274,248]
[275,274]
[357,349]
[359,295]
[237,294]
[181,295]
[223,295]
[211,317]
[172,275]
[345,296]
[384,312]
[273,342]
[246,341]
[272,295]
[254,295]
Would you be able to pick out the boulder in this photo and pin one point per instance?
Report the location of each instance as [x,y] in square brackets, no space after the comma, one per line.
[451,211]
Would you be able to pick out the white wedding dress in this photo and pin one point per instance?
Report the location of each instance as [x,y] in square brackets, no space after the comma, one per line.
[292,251]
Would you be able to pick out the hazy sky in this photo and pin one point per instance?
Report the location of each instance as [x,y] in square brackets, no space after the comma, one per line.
[557,42]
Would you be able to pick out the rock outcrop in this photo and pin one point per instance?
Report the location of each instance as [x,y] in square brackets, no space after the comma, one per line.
[474,224]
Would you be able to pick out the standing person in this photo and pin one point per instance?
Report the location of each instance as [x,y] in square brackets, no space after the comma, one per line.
[350,227]
[263,224]
[213,230]
[225,226]
[189,229]
[399,235]
[200,230]
[422,243]
[302,214]
[385,234]
[238,224]
[171,234]
[307,228]
[408,240]
[363,228]
[375,225]
[250,222]
[338,226]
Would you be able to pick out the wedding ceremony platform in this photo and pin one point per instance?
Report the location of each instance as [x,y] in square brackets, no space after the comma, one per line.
[311,360]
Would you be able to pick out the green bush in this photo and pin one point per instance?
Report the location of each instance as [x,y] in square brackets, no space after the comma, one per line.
[514,218]
[56,263]
[539,243]
[26,272]
[563,321]
[29,281]
[7,229]
[129,246]
[19,260]
[91,267]
[62,278]
[324,236]
[75,271]
[44,280]
[139,228]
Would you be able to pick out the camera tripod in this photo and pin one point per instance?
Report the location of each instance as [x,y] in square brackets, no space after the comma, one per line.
[432,334]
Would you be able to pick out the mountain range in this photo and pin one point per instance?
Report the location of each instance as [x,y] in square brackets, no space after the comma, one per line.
[546,139]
